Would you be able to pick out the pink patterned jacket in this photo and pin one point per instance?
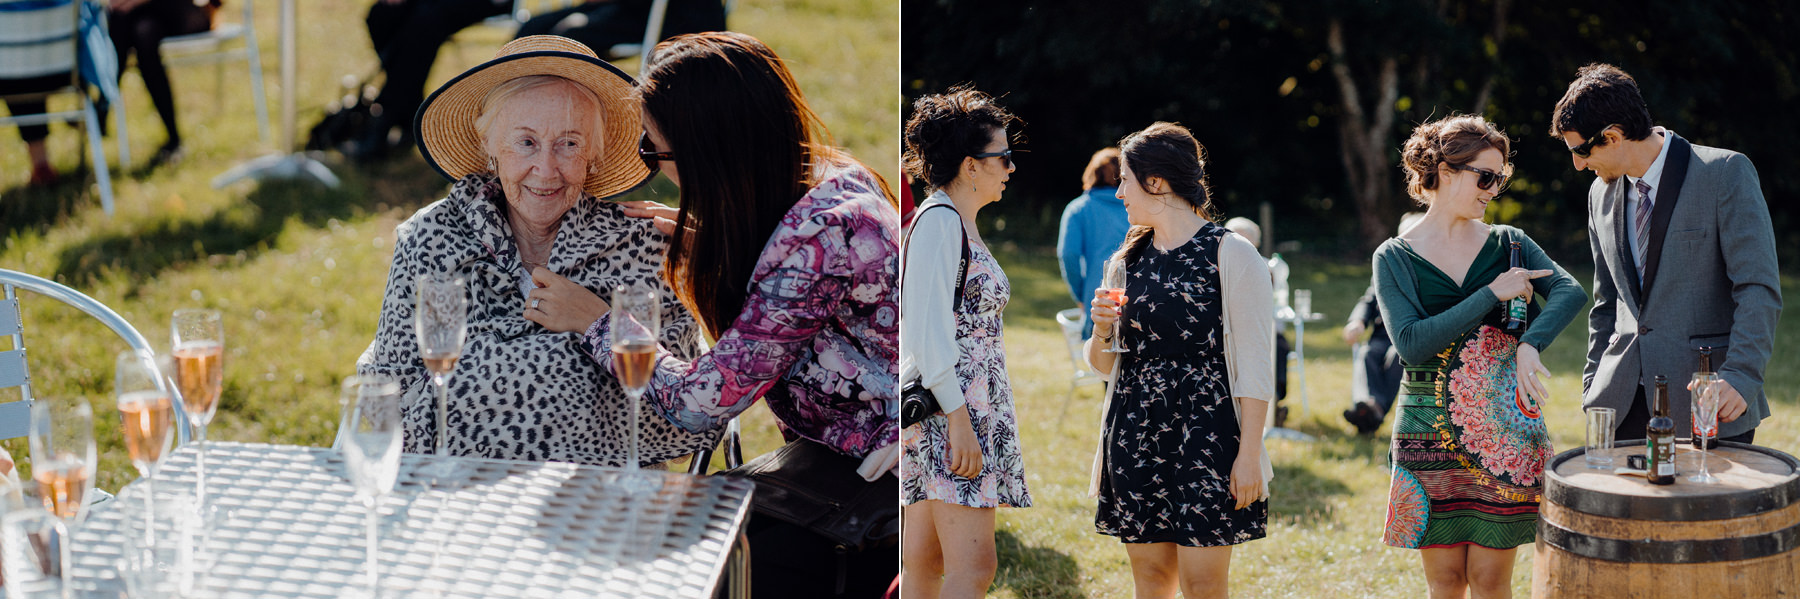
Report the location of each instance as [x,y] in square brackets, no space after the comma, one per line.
[819,333]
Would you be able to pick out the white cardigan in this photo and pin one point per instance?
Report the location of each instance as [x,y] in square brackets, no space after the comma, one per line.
[1249,343]
[928,348]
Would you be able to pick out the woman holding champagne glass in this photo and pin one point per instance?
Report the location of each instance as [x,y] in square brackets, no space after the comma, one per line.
[965,462]
[1181,472]
[785,248]
[534,140]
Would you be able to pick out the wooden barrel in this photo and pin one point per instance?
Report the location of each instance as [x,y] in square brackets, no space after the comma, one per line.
[1605,535]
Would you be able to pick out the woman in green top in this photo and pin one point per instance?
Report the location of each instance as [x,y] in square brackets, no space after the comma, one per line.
[1469,442]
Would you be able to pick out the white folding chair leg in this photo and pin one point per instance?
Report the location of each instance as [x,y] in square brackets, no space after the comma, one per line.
[652,34]
[119,132]
[256,83]
[91,122]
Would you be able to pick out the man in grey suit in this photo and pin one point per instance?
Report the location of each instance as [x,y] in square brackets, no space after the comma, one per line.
[1684,258]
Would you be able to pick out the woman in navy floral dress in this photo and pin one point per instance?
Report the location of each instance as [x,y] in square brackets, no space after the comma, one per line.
[1181,473]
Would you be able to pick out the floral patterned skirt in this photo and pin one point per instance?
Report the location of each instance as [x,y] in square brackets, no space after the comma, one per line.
[1468,450]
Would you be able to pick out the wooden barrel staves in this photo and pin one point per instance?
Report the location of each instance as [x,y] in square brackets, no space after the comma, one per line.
[1605,535]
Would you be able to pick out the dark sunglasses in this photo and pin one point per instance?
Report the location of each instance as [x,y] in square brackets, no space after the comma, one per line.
[1006,153]
[1587,147]
[647,151]
[1487,180]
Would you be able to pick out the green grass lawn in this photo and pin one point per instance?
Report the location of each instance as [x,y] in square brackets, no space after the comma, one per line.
[298,270]
[1329,498]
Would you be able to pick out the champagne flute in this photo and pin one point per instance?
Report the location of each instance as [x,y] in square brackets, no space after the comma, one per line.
[372,448]
[441,320]
[635,314]
[1113,283]
[62,462]
[146,415]
[1705,392]
[198,339]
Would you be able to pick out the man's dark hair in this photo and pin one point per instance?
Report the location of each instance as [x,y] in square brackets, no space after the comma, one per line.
[1601,95]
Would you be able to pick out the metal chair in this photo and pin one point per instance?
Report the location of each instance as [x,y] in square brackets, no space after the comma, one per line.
[39,38]
[210,46]
[1070,321]
[15,417]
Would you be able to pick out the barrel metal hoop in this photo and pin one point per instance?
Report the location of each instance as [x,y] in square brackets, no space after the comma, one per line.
[1708,551]
[1693,509]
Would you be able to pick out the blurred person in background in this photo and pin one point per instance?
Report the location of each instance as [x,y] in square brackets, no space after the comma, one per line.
[1092,226]
[602,24]
[139,27]
[1375,378]
[407,35]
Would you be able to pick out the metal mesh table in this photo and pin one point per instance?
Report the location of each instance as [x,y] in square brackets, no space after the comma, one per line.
[284,522]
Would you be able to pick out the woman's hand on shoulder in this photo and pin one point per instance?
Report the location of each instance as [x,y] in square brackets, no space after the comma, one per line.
[560,305]
[662,217]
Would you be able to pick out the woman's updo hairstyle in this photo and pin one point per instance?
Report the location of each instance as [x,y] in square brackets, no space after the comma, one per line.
[1452,140]
[947,127]
[1169,152]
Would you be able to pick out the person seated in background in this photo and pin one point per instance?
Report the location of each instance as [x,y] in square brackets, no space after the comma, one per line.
[19,101]
[407,35]
[139,27]
[1248,229]
[1093,226]
[602,24]
[533,143]
[1376,379]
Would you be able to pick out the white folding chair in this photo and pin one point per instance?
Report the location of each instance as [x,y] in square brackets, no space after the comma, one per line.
[38,38]
[1082,374]
[211,47]
[15,416]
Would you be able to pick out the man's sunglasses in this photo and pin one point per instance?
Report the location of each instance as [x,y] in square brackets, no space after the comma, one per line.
[1006,153]
[1487,180]
[1587,147]
[647,151]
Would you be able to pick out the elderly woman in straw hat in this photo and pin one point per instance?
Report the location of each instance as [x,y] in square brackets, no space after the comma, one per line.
[534,140]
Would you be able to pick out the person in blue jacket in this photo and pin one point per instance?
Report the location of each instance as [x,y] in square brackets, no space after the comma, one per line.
[1093,226]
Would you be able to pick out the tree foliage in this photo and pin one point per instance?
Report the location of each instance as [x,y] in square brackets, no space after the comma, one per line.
[1260,84]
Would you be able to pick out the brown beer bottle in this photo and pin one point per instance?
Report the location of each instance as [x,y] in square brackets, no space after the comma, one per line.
[1705,441]
[1659,442]
[1515,307]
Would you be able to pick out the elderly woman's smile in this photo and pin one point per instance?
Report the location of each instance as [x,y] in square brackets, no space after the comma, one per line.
[542,140]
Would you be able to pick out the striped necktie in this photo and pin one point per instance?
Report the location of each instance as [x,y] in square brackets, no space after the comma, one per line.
[1641,227]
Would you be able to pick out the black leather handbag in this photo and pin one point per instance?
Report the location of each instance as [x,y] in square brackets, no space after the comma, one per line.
[917,402]
[809,485]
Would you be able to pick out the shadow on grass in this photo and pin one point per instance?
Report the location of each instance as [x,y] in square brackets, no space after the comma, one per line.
[1300,493]
[251,226]
[1035,571]
[25,208]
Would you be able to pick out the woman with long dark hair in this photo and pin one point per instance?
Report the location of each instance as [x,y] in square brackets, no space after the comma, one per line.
[1181,472]
[964,463]
[785,248]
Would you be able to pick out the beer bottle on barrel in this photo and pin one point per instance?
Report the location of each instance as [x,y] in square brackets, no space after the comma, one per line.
[1659,443]
[1515,307]
[1700,439]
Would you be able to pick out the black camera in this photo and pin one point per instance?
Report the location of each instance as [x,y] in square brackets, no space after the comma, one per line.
[916,403]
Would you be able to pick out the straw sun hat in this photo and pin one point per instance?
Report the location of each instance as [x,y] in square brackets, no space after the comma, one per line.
[446,123]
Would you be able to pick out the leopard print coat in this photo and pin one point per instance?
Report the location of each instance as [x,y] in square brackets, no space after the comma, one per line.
[521,392]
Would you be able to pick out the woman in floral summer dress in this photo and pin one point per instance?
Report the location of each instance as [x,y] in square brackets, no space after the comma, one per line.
[960,464]
[1181,473]
[1469,443]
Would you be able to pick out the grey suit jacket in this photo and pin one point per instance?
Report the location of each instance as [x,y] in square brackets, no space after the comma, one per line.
[1710,279]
